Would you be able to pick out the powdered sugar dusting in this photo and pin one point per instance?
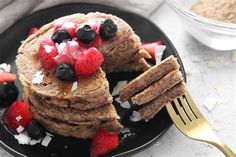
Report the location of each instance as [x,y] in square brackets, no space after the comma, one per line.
[126,104]
[74,86]
[46,140]
[118,86]
[159,50]
[38,78]
[20,129]
[135,117]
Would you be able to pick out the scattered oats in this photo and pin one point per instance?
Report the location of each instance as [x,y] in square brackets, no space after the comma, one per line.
[211,64]
[233,57]
[61,47]
[20,129]
[124,105]
[38,78]
[135,116]
[74,86]
[33,142]
[18,118]
[48,48]
[5,67]
[159,50]
[195,59]
[220,59]
[210,103]
[22,138]
[46,140]
[118,86]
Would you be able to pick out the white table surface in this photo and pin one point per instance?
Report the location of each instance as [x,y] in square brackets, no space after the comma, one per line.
[218,81]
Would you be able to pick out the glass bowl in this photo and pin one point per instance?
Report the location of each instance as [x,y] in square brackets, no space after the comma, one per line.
[212,33]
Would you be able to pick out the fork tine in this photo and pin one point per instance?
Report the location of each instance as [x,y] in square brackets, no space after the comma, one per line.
[192,105]
[187,108]
[177,120]
[182,114]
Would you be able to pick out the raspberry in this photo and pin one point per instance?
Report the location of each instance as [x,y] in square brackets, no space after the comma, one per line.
[46,54]
[88,62]
[32,30]
[103,142]
[17,117]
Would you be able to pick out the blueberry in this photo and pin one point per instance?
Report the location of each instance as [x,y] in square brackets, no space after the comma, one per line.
[65,72]
[60,35]
[8,93]
[35,130]
[107,29]
[86,34]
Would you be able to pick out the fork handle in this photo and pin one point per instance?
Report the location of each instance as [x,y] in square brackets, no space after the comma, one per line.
[225,149]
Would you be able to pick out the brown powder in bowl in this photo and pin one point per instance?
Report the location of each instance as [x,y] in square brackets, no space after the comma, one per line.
[220,10]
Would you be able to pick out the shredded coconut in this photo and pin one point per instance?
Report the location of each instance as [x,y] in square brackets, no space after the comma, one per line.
[46,140]
[135,117]
[48,48]
[61,47]
[20,129]
[18,118]
[22,138]
[33,142]
[159,50]
[38,78]
[126,104]
[74,86]
[4,67]
[118,86]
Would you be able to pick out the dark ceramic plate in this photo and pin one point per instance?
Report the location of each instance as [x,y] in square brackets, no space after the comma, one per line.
[142,133]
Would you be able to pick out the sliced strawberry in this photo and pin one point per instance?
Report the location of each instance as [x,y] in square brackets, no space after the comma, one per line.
[17,117]
[103,142]
[47,52]
[7,77]
[32,30]
[150,48]
[88,62]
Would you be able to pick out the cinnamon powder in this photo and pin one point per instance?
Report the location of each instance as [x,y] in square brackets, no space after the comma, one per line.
[220,10]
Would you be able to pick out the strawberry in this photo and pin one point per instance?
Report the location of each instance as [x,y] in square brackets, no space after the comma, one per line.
[32,30]
[150,48]
[88,62]
[17,117]
[69,26]
[46,54]
[7,77]
[103,142]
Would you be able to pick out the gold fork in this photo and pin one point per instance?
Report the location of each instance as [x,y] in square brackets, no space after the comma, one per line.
[188,119]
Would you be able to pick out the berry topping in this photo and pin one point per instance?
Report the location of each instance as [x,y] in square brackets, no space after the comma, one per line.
[65,72]
[69,27]
[151,48]
[88,62]
[35,130]
[32,30]
[8,93]
[47,52]
[86,34]
[108,29]
[103,142]
[7,77]
[59,35]
[17,117]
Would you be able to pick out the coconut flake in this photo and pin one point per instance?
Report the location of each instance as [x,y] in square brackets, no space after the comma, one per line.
[22,138]
[19,129]
[159,50]
[33,142]
[46,140]
[38,78]
[61,47]
[118,86]
[74,86]
[210,103]
[135,117]
[18,118]
[123,105]
[4,67]
[48,48]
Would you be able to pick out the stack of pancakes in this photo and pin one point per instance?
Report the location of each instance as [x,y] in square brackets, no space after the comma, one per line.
[80,108]
[155,87]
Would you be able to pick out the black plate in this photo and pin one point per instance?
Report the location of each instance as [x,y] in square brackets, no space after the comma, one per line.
[144,133]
